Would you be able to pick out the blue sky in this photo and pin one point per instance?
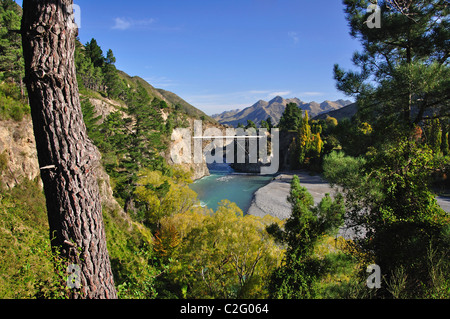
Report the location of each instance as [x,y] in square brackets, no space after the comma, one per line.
[225,54]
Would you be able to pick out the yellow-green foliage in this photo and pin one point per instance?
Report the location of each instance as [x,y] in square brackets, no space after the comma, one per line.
[225,254]
[164,195]
[305,132]
[3,161]
[365,128]
[130,251]
[317,144]
[26,268]
[331,121]
[342,269]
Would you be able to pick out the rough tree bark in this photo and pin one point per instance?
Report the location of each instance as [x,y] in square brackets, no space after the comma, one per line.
[66,155]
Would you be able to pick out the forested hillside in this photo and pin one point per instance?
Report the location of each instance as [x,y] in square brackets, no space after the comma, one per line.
[388,161]
[158,237]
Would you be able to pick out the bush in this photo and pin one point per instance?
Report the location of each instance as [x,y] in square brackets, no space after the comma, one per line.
[12,105]
[301,270]
[26,260]
[388,194]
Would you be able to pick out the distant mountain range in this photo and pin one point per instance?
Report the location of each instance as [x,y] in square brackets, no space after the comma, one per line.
[261,110]
[346,112]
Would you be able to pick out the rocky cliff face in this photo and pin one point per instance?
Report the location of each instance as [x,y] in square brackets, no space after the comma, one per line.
[18,152]
[19,159]
[181,141]
[18,155]
[103,107]
[198,170]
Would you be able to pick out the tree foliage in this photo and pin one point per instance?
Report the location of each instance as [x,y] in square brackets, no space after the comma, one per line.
[399,138]
[224,254]
[141,128]
[291,118]
[163,196]
[300,271]
[404,70]
[11,57]
[307,146]
[397,216]
[97,72]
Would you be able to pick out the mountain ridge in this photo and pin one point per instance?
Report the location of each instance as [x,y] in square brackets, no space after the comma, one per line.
[169,97]
[274,108]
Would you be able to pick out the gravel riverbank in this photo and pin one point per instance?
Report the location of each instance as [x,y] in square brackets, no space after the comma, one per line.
[272,198]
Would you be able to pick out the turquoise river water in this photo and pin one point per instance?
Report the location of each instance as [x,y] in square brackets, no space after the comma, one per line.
[224,183]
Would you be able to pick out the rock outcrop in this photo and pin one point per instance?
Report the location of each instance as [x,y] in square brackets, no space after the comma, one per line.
[18,152]
[19,157]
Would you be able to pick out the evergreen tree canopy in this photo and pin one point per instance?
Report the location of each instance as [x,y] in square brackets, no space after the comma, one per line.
[95,53]
[404,73]
[11,58]
[301,233]
[250,124]
[291,118]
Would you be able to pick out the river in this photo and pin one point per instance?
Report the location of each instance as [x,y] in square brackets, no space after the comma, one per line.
[225,183]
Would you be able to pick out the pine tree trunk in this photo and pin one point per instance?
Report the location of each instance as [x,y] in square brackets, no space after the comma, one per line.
[66,156]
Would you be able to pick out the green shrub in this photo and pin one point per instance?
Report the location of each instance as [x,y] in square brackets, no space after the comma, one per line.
[26,260]
[3,161]
[12,105]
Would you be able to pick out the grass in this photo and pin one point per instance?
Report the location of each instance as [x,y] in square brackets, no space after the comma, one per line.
[29,269]
[341,279]
[25,254]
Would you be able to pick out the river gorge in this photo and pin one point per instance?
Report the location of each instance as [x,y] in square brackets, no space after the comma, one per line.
[224,183]
[262,195]
[255,194]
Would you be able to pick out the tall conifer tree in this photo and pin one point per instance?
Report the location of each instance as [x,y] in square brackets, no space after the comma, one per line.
[404,74]
[67,157]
